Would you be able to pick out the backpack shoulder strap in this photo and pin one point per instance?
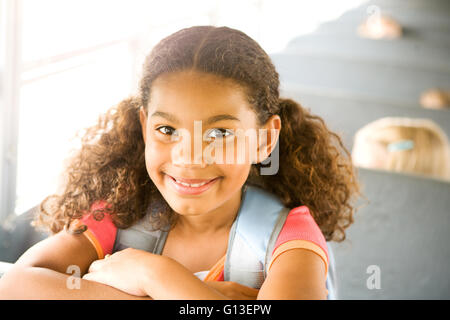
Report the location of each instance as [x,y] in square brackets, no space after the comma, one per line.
[252,230]
[274,236]
[140,236]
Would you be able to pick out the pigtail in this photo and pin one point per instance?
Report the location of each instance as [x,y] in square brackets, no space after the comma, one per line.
[315,170]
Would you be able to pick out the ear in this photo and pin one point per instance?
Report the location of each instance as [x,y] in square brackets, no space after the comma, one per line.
[269,137]
[143,120]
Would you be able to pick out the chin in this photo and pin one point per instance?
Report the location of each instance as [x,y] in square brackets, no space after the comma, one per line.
[185,207]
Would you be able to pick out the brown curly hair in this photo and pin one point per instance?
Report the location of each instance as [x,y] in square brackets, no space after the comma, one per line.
[315,168]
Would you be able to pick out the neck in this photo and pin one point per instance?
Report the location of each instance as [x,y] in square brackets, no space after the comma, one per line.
[216,221]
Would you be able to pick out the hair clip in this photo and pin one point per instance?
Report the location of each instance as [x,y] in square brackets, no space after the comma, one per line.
[401,145]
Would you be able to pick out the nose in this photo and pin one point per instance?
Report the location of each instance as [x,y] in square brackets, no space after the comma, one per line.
[188,151]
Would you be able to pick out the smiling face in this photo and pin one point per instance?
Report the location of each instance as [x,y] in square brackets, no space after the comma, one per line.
[190,117]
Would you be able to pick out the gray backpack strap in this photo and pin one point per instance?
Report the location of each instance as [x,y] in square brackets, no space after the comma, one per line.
[274,236]
[249,237]
[331,276]
[139,236]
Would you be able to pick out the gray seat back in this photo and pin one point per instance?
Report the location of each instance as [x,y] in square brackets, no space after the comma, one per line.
[17,235]
[363,80]
[346,116]
[426,20]
[402,237]
[406,51]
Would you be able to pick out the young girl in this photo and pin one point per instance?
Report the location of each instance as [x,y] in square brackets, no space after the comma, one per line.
[134,165]
[417,146]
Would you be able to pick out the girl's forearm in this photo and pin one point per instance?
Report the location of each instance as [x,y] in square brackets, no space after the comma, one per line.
[42,283]
[169,280]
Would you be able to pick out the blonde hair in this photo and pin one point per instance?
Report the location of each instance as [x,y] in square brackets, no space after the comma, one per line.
[404,145]
[435,99]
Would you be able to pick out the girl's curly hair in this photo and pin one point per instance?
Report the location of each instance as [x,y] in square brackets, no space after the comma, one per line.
[315,169]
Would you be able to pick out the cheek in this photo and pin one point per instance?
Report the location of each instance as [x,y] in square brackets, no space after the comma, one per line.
[235,173]
[239,150]
[155,155]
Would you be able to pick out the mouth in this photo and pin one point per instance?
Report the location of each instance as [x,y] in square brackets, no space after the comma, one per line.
[191,186]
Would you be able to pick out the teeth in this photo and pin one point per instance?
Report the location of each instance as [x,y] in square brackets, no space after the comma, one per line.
[195,185]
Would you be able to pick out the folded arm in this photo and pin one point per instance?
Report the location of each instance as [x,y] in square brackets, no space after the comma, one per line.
[48,271]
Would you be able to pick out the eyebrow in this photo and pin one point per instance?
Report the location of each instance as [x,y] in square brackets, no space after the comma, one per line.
[208,121]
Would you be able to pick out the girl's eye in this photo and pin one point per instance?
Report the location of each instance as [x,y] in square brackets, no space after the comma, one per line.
[166,130]
[219,133]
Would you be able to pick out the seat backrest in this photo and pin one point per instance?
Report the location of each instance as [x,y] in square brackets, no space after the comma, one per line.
[17,235]
[430,16]
[423,20]
[373,82]
[407,51]
[346,116]
[398,246]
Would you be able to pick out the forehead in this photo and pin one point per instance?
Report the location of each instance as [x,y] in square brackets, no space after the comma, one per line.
[197,93]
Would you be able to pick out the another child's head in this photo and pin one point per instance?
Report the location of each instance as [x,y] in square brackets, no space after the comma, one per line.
[435,99]
[405,145]
[379,26]
[214,83]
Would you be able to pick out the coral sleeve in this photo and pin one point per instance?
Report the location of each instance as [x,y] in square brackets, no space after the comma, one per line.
[101,231]
[300,231]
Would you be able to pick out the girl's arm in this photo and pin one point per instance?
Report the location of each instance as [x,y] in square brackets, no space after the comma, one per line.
[43,272]
[171,280]
[42,283]
[296,274]
[142,273]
